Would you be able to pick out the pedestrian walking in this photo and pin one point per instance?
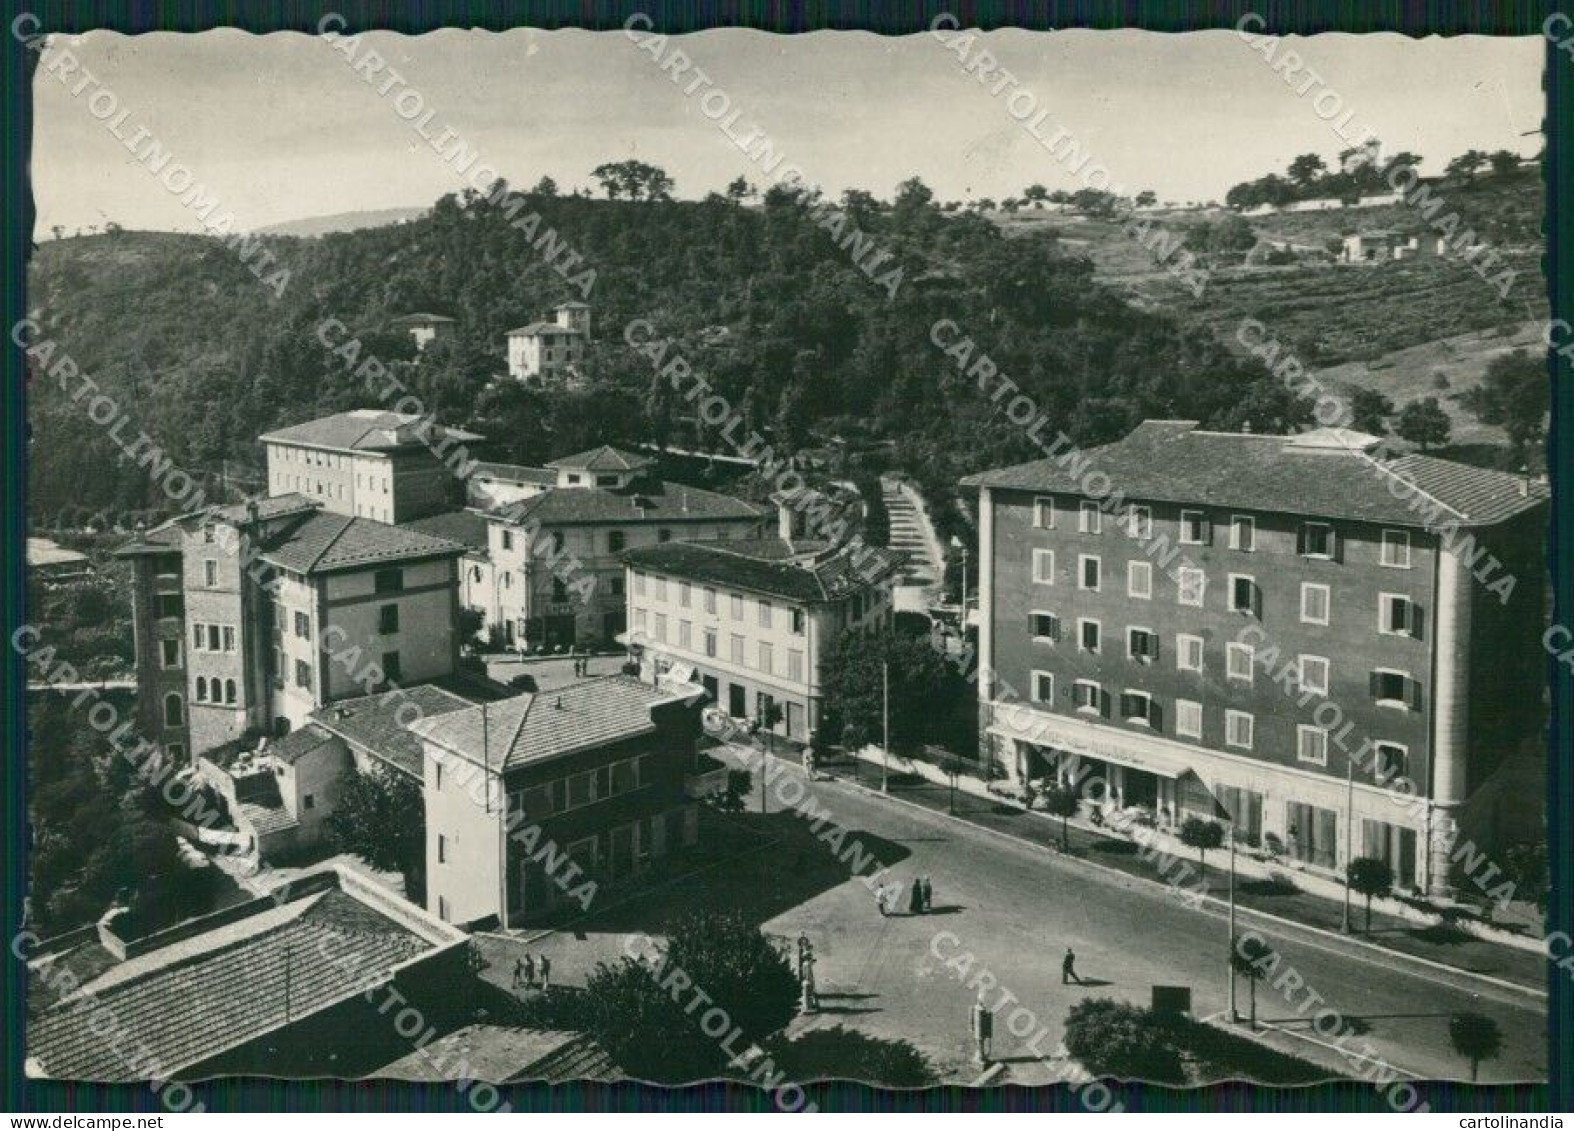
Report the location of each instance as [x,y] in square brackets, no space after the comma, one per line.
[915,899]
[927,894]
[530,971]
[881,894]
[808,763]
[1068,969]
[519,975]
[546,972]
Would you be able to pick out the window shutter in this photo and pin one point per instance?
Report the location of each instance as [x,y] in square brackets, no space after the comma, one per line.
[1335,547]
[1413,693]
[1413,619]
[1154,715]
[1205,531]
[1374,684]
[1054,628]
[1127,705]
[1256,600]
[1300,539]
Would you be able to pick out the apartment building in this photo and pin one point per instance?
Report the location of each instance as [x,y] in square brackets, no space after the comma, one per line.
[251,616]
[751,621]
[555,559]
[1281,629]
[370,463]
[539,803]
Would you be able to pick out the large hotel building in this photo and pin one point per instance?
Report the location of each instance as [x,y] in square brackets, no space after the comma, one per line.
[1292,631]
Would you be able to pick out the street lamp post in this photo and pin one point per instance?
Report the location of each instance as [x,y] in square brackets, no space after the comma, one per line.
[885,725]
[1349,821]
[1229,964]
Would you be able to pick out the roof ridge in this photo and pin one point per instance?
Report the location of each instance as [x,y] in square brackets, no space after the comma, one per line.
[1384,468]
[338,534]
[508,751]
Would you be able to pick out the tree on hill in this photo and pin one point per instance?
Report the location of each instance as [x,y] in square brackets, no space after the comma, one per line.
[1035,194]
[1466,165]
[1370,411]
[1515,395]
[634,180]
[740,189]
[546,186]
[1306,168]
[1146,198]
[1424,423]
[1503,161]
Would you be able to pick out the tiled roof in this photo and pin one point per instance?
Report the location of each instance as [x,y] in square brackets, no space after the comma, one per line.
[499,1054]
[366,430]
[573,304]
[419,318]
[378,723]
[268,819]
[467,527]
[604,458]
[541,329]
[1172,461]
[651,501]
[797,570]
[268,506]
[297,744]
[180,1004]
[534,727]
[513,473]
[324,543]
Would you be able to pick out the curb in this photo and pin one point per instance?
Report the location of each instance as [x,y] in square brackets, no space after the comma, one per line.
[1222,905]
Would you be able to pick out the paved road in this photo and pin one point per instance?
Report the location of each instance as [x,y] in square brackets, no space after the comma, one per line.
[1015,908]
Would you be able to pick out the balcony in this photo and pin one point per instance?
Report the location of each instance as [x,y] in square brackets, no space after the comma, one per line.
[707,779]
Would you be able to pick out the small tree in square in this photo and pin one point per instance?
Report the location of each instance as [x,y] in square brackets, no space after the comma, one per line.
[1202,835]
[1059,801]
[1369,876]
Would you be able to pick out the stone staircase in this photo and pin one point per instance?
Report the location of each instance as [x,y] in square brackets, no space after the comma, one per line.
[910,531]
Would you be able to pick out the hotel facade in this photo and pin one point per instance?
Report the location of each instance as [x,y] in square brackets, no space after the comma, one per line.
[1333,650]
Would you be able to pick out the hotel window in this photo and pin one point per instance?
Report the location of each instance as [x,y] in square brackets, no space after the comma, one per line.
[1311,745]
[1188,719]
[508,540]
[1142,644]
[229,638]
[1139,522]
[559,590]
[303,626]
[615,541]
[1390,762]
[617,585]
[1397,615]
[1245,597]
[1238,729]
[797,622]
[1044,512]
[1318,540]
[1088,572]
[735,606]
[1139,580]
[1044,626]
[1190,586]
[685,635]
[794,664]
[639,619]
[1396,549]
[1313,834]
[639,584]
[659,629]
[303,674]
[388,619]
[1044,567]
[213,639]
[388,580]
[1088,635]
[1238,661]
[1090,520]
[557,540]
[1243,533]
[765,613]
[1043,687]
[1137,707]
[685,594]
[169,653]
[1314,674]
[210,573]
[737,649]
[176,751]
[767,658]
[1314,603]
[1395,689]
[710,600]
[199,638]
[659,586]
[710,643]
[1088,697]
[200,695]
[393,670]
[1188,653]
[171,605]
[229,691]
[663,535]
[174,710]
[1193,528]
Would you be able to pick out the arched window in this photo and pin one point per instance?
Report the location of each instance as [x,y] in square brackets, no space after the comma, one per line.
[174,710]
[202,689]
[229,691]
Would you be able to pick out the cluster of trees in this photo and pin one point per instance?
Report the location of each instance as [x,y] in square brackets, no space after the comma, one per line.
[99,833]
[892,677]
[381,817]
[87,622]
[1355,174]
[767,300]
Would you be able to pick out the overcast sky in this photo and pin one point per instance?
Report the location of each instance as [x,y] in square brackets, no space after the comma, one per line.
[280,127]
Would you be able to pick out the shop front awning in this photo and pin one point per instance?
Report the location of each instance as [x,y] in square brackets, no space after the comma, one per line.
[1087,740]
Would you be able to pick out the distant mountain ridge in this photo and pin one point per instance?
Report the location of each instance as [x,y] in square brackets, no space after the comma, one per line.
[344,222]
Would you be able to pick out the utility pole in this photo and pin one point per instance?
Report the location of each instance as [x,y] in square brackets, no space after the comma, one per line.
[885,723]
[1229,965]
[1349,822]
